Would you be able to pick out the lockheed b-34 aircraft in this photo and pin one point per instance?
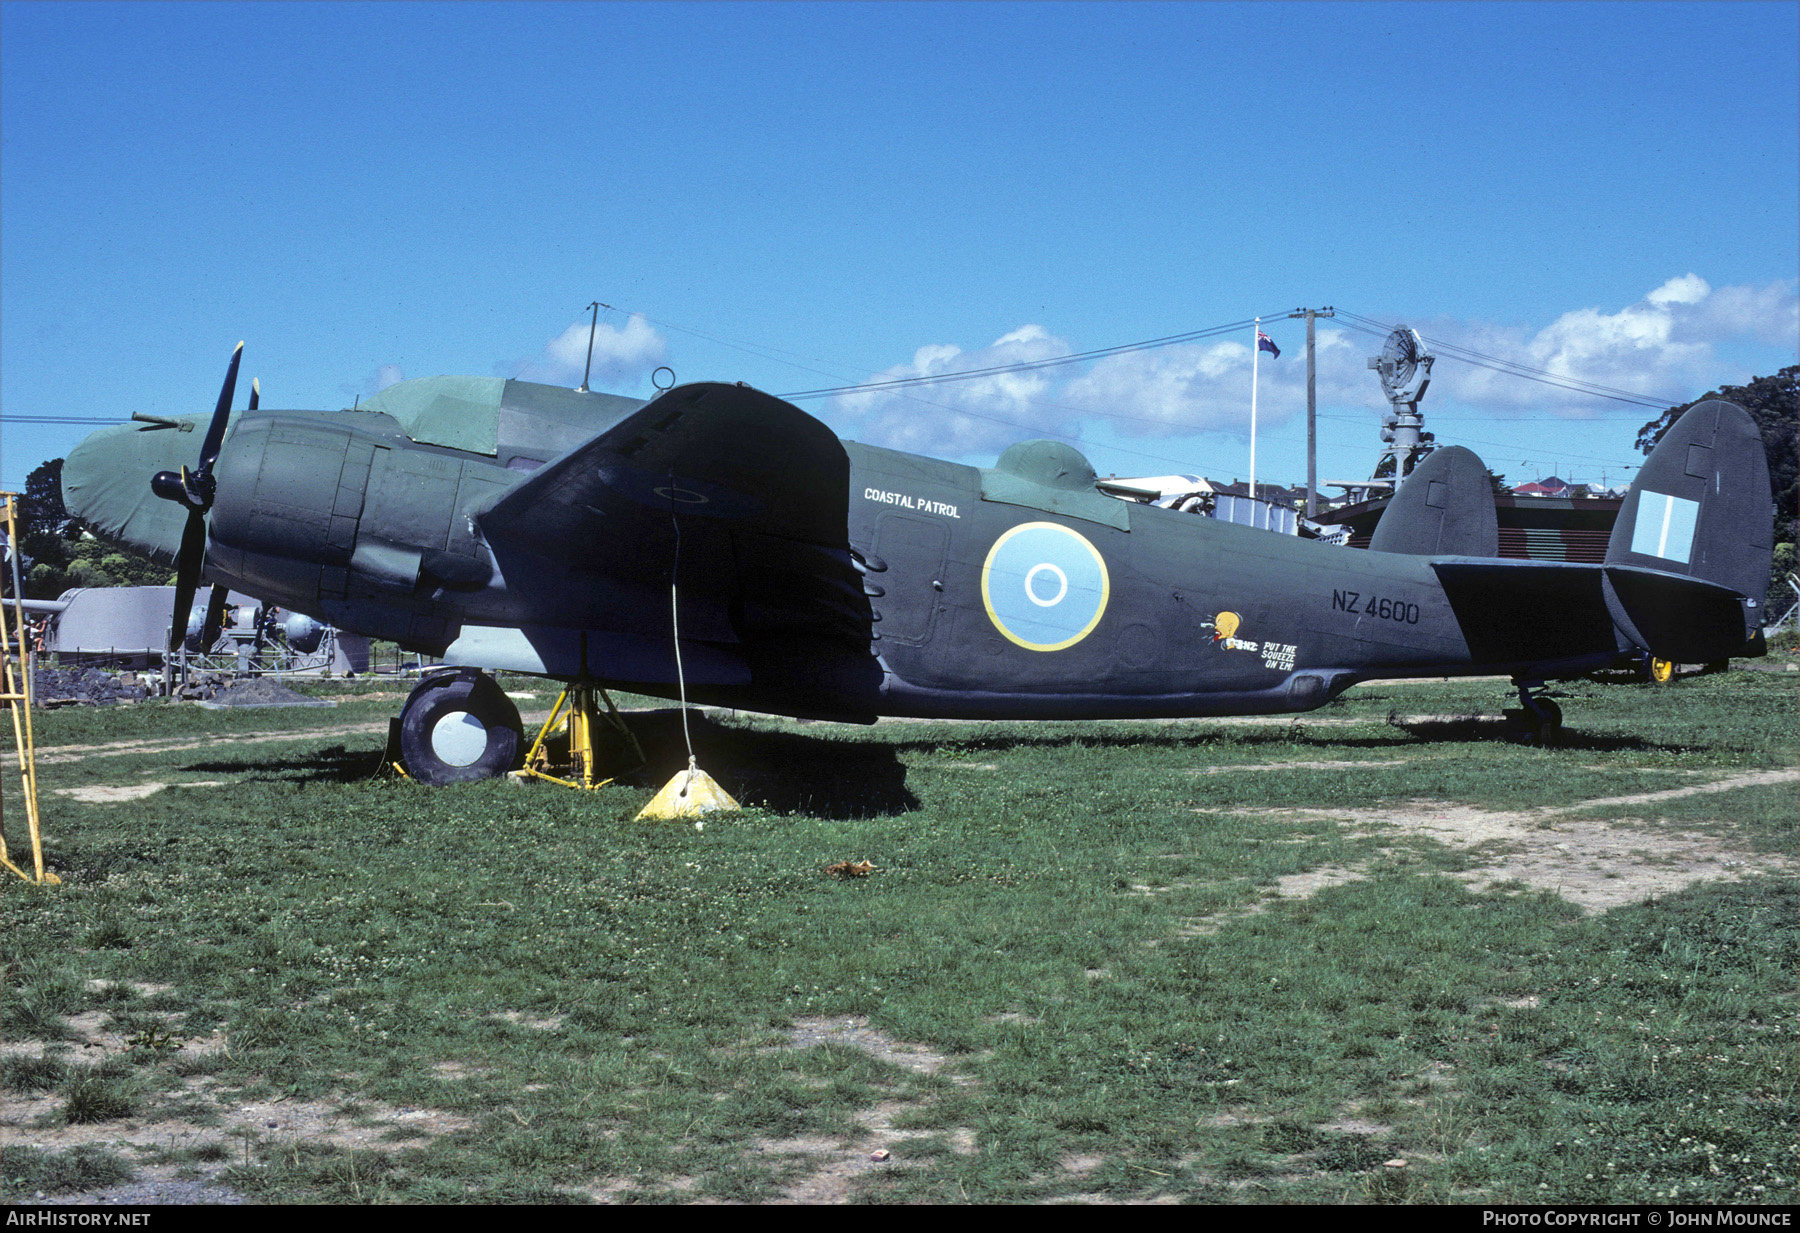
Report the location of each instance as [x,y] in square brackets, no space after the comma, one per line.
[505,525]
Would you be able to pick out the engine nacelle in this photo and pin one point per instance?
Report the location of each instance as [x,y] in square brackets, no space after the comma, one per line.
[309,512]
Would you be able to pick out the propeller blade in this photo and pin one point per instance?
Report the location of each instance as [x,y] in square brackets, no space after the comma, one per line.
[195,490]
[187,576]
[255,393]
[215,432]
[215,617]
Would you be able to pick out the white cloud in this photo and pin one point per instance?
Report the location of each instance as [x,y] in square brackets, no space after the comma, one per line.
[622,356]
[1666,345]
[1688,289]
[956,418]
[1768,314]
[378,379]
[1163,392]
[1205,386]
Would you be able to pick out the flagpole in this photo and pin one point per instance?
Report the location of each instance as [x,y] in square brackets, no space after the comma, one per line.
[1255,356]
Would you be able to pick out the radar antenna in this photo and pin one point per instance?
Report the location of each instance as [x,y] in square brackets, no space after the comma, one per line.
[1405,370]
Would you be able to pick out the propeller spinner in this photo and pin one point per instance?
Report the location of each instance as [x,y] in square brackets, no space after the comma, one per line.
[195,490]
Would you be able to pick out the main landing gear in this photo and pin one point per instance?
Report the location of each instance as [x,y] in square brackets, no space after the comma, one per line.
[458,726]
[1542,715]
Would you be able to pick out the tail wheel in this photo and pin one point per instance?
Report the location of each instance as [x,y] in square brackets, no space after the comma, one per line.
[459,727]
[1662,671]
[1547,728]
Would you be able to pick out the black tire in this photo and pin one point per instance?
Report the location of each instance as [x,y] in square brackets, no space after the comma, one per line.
[459,727]
[1547,730]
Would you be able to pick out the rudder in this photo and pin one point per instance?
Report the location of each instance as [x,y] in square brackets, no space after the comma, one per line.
[1689,556]
[1444,508]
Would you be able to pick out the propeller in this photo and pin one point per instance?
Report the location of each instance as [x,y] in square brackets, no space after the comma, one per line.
[214,622]
[194,490]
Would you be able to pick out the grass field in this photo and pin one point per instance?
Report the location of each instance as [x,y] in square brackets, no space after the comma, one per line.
[1385,951]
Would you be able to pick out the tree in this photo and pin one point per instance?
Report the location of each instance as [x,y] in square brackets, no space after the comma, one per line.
[42,508]
[59,553]
[1774,403]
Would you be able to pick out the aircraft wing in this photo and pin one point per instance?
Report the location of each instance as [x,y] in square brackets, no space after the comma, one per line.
[739,496]
[705,455]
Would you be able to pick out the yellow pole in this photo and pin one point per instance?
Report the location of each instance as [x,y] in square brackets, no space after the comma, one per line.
[581,732]
[19,692]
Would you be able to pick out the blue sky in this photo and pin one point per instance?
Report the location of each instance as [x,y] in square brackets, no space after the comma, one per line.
[800,196]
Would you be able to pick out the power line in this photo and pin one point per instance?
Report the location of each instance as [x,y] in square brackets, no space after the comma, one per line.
[1366,325]
[1479,359]
[1031,365]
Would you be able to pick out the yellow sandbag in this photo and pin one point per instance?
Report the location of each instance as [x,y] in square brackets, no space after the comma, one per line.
[690,792]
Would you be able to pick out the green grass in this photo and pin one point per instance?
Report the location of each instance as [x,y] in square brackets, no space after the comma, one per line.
[1761,817]
[26,1171]
[606,1004]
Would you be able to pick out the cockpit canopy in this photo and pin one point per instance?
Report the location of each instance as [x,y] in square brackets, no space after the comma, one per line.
[497,417]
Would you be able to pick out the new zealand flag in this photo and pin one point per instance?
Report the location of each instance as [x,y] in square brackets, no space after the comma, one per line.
[1265,343]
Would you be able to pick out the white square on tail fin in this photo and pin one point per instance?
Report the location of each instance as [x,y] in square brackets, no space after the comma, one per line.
[1665,526]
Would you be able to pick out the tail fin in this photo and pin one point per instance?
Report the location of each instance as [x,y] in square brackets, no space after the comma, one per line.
[1688,561]
[1445,508]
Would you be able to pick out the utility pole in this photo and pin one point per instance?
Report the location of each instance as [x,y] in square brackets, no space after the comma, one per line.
[1312,407]
[592,326]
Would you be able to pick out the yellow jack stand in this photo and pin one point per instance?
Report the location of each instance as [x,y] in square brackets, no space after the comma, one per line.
[584,724]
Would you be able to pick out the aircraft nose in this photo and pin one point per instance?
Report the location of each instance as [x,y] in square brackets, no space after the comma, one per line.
[106,482]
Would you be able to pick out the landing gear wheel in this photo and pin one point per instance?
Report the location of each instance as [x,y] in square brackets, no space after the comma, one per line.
[458,727]
[1542,714]
[1662,671]
[1547,730]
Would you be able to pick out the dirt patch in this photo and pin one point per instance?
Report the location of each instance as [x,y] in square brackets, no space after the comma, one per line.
[1106,1199]
[1293,886]
[102,794]
[90,1042]
[854,1031]
[1349,1124]
[456,1070]
[1597,864]
[263,1122]
[542,1023]
[244,1132]
[139,988]
[1301,766]
[158,1184]
[56,755]
[831,1165]
[232,1129]
[1594,863]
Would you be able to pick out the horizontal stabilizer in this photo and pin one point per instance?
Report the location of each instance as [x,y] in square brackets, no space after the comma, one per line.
[1518,611]
[1444,508]
[1689,556]
[1681,619]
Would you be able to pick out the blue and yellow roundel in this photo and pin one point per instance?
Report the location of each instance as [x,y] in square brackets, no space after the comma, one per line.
[1044,586]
